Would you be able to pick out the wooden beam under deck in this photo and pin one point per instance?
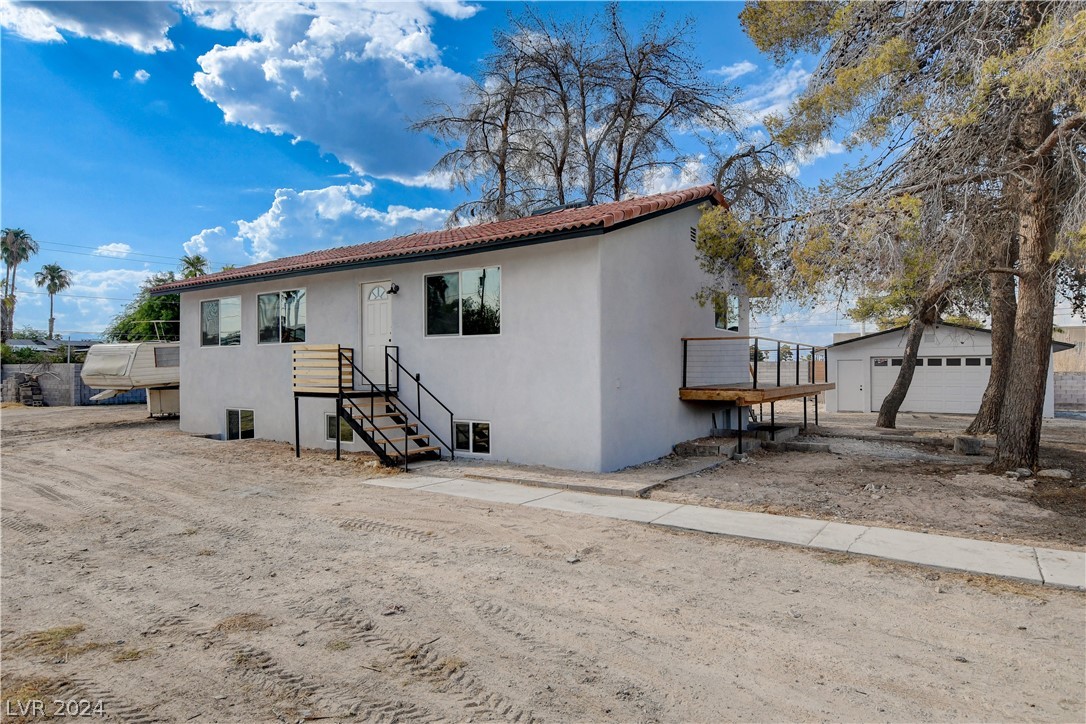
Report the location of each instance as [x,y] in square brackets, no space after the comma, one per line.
[745,396]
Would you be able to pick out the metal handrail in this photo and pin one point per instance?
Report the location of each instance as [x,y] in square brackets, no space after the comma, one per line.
[756,351]
[419,389]
[370,418]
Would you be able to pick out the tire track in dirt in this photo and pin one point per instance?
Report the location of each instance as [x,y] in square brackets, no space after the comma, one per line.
[114,708]
[21,524]
[421,660]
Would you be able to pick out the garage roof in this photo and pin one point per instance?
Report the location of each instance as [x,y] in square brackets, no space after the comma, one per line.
[1057,346]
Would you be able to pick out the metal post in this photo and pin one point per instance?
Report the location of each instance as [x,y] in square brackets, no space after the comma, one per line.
[297,431]
[339,416]
[685,343]
[778,363]
[805,412]
[773,421]
[795,359]
[739,422]
[418,395]
[756,363]
[816,410]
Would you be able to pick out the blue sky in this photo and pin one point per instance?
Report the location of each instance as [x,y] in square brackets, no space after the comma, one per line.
[136,132]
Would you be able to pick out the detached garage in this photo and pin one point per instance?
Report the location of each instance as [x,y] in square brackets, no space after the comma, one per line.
[952,370]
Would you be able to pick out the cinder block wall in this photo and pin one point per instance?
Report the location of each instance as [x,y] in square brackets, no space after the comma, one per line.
[61,385]
[1070,390]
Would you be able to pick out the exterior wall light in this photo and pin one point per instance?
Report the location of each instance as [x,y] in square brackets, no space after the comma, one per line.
[393,288]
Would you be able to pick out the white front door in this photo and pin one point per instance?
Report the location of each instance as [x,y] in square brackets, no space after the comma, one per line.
[376,329]
[850,386]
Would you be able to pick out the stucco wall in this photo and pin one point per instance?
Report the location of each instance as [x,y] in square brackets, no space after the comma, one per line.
[937,341]
[536,382]
[649,274]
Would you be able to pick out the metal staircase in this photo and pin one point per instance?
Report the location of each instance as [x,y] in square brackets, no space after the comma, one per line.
[377,413]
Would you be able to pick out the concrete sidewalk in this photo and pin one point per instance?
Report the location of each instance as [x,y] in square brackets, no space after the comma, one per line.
[1046,566]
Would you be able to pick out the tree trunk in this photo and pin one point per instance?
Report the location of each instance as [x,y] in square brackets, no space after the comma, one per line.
[51,318]
[1003,313]
[896,395]
[1018,438]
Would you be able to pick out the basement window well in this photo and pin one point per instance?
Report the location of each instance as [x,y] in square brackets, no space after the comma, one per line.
[473,437]
[240,425]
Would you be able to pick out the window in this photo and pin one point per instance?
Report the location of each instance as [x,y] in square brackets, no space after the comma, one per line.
[167,356]
[972,361]
[953,361]
[727,312]
[220,322]
[919,362]
[346,434]
[987,361]
[881,361]
[896,362]
[935,362]
[281,317]
[473,437]
[464,303]
[240,425]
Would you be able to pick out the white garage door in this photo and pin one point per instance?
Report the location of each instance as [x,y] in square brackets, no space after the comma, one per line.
[940,384]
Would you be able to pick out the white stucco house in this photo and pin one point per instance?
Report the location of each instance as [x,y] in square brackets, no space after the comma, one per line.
[952,369]
[554,339]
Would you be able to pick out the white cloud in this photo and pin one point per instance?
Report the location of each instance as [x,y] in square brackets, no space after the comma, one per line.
[667,178]
[116,249]
[826,147]
[349,77]
[301,221]
[116,75]
[141,76]
[774,96]
[142,26]
[733,71]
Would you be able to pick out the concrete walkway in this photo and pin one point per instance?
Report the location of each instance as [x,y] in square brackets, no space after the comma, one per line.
[1046,566]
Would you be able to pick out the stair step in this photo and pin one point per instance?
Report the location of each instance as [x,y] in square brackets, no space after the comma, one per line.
[394,440]
[393,413]
[386,427]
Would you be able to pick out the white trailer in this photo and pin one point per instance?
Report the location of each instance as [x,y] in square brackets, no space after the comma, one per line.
[155,366]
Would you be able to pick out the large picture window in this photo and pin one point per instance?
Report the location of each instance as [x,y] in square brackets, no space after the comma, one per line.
[281,317]
[220,322]
[465,303]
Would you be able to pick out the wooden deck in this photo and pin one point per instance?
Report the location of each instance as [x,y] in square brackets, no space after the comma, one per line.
[744,394]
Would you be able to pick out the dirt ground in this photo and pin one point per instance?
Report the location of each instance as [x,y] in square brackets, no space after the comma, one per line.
[916,487]
[177,578]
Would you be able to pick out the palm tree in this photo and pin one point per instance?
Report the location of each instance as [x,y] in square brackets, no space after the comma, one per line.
[194,265]
[55,279]
[16,247]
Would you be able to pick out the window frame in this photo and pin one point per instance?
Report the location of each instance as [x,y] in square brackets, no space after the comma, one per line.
[328,417]
[218,316]
[738,313]
[279,293]
[471,437]
[241,435]
[460,302]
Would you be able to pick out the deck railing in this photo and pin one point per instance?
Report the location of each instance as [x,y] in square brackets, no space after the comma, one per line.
[755,361]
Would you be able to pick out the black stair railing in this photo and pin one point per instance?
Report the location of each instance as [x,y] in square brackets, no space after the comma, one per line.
[392,364]
[345,405]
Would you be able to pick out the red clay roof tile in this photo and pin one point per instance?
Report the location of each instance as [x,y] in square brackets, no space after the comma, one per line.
[555,222]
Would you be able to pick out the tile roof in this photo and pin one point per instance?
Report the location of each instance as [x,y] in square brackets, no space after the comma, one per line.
[561,222]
